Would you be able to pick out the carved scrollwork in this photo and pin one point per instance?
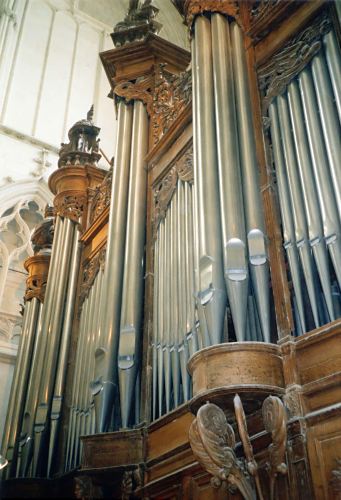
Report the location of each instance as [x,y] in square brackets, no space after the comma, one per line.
[70,204]
[172,93]
[194,8]
[163,192]
[274,418]
[212,441]
[275,75]
[101,197]
[142,90]
[90,272]
[36,287]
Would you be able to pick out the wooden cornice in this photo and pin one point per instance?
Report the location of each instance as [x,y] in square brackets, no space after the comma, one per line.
[137,59]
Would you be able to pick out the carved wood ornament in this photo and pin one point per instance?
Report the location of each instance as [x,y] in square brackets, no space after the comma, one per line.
[101,197]
[90,272]
[287,63]
[213,442]
[163,191]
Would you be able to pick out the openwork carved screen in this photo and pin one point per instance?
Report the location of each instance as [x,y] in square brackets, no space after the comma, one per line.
[302,99]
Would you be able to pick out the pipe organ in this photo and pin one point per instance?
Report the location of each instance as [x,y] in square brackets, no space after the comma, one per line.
[182,314]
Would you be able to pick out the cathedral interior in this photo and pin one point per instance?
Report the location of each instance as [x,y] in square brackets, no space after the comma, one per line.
[170,249]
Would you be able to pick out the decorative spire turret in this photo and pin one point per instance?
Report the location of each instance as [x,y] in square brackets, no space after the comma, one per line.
[83,146]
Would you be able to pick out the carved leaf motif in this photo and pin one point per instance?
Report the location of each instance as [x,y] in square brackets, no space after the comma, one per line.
[335,481]
[201,454]
[274,418]
[101,198]
[275,75]
[215,451]
[171,95]
[90,272]
[194,8]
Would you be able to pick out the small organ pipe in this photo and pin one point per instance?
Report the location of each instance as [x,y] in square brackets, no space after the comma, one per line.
[288,224]
[310,199]
[252,197]
[330,216]
[301,230]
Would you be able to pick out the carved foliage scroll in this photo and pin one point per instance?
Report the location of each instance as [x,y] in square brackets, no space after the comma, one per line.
[194,8]
[101,197]
[171,95]
[90,272]
[70,204]
[181,169]
[213,442]
[275,75]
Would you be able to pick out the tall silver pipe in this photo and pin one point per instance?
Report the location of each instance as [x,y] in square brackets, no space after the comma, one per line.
[310,199]
[27,434]
[167,308]
[193,344]
[21,385]
[156,323]
[161,315]
[184,286]
[132,293]
[107,361]
[48,373]
[16,377]
[330,122]
[288,224]
[231,198]
[211,292]
[333,57]
[76,382]
[59,385]
[84,388]
[175,308]
[301,230]
[251,189]
[74,385]
[330,216]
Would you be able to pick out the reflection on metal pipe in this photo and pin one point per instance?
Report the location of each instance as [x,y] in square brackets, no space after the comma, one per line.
[330,122]
[301,230]
[27,432]
[211,292]
[288,224]
[330,216]
[309,193]
[252,198]
[48,372]
[334,65]
[231,199]
[106,355]
[59,384]
[132,293]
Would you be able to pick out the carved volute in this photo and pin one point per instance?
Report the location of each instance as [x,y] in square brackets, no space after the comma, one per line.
[77,168]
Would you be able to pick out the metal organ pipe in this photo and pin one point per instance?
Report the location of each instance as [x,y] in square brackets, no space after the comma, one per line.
[288,224]
[301,230]
[231,198]
[332,52]
[310,198]
[32,399]
[252,198]
[330,122]
[330,215]
[211,293]
[132,293]
[106,355]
